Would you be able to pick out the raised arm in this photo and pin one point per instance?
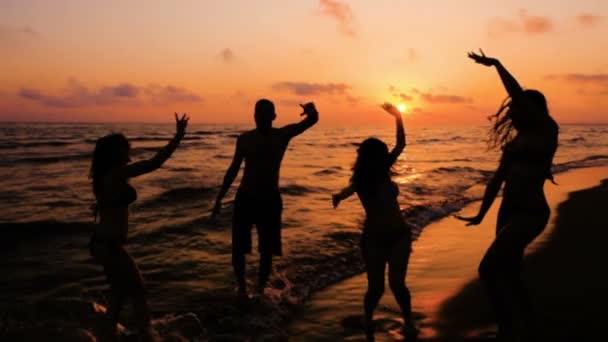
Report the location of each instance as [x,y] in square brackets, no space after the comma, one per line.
[510,83]
[146,166]
[490,193]
[392,110]
[342,195]
[312,117]
[231,173]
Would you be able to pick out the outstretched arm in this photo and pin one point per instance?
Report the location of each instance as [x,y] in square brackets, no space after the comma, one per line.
[510,83]
[392,110]
[489,195]
[312,117]
[342,195]
[146,166]
[231,174]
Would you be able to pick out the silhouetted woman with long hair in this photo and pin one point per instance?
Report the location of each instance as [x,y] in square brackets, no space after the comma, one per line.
[386,239]
[110,172]
[527,136]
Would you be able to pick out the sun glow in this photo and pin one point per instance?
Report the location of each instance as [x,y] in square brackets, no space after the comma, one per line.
[401,107]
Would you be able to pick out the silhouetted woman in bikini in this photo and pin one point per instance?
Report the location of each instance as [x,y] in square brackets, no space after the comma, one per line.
[386,239]
[527,136]
[110,171]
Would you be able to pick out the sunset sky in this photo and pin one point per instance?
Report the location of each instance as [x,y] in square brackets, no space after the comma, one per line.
[113,61]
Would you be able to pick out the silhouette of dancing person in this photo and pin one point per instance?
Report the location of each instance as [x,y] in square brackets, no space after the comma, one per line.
[386,239]
[527,136]
[110,172]
[258,200]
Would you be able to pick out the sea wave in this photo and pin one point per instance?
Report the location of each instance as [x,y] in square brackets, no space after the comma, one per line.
[15,144]
[178,195]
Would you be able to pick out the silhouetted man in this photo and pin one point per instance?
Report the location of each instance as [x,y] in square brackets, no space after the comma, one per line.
[258,200]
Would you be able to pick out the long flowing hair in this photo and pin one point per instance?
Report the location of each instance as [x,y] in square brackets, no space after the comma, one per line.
[512,119]
[109,153]
[372,165]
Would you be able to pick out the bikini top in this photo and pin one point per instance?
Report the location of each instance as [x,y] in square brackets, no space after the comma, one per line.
[537,151]
[122,198]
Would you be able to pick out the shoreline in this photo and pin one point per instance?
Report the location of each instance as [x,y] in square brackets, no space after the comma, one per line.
[454,304]
[295,288]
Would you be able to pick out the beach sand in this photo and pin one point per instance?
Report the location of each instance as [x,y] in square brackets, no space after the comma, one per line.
[562,270]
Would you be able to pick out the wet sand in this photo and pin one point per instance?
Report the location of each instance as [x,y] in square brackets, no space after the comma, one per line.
[562,269]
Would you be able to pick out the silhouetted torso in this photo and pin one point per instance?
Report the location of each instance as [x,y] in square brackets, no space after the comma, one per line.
[263,152]
[528,158]
[113,206]
[383,214]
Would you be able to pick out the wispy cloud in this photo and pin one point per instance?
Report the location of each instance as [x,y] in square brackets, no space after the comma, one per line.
[587,83]
[10,33]
[523,23]
[170,94]
[444,98]
[78,95]
[227,55]
[395,92]
[342,13]
[599,78]
[589,20]
[305,88]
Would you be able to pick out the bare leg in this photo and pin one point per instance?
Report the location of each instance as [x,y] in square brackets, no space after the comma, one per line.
[396,276]
[134,285]
[375,263]
[117,301]
[238,264]
[264,271]
[500,270]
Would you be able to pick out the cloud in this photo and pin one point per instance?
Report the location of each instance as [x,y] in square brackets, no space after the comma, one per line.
[409,57]
[169,94]
[305,88]
[78,95]
[342,13]
[412,55]
[399,94]
[588,20]
[588,83]
[16,34]
[405,97]
[600,78]
[524,23]
[444,98]
[227,55]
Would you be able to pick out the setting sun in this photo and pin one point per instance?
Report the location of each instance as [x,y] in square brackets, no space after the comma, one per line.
[401,107]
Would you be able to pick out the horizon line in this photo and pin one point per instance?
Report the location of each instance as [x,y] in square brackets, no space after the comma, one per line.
[220,123]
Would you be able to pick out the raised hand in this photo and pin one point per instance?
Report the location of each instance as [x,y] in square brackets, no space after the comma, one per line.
[471,221]
[181,123]
[308,108]
[482,59]
[392,110]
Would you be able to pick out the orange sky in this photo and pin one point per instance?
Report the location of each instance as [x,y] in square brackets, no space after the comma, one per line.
[123,61]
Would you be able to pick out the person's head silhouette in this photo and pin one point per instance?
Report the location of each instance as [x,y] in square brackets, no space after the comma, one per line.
[264,114]
[110,151]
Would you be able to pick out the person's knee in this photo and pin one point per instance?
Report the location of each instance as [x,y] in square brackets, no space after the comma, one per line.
[488,268]
[398,286]
[238,258]
[266,258]
[375,289]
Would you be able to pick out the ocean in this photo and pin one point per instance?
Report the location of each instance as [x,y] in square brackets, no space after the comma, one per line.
[184,256]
